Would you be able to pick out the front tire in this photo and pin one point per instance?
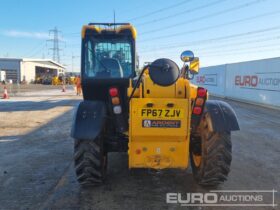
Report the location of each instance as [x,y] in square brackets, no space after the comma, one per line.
[90,161]
[210,154]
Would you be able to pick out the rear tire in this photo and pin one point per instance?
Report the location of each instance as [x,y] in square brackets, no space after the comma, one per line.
[210,154]
[90,161]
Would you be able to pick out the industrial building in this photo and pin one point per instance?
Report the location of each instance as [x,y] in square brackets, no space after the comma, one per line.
[27,70]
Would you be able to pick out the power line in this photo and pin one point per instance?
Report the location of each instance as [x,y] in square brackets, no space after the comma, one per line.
[220,39]
[221,53]
[207,28]
[38,51]
[244,43]
[74,33]
[238,49]
[159,10]
[131,10]
[181,13]
[254,41]
[204,17]
[210,52]
[193,20]
[183,33]
[174,45]
[73,57]
[31,52]
[239,53]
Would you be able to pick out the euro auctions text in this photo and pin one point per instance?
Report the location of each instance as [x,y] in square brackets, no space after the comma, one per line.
[224,198]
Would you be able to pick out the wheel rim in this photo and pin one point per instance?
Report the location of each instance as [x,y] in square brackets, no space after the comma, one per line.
[204,131]
[196,159]
[205,128]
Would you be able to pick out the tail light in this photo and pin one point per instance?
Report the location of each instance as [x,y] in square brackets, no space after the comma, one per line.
[113,92]
[198,107]
[199,101]
[197,110]
[119,121]
[115,100]
[201,92]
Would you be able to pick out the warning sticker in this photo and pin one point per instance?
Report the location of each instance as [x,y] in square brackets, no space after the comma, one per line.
[161,123]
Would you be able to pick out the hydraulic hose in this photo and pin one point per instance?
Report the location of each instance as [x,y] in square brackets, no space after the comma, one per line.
[137,82]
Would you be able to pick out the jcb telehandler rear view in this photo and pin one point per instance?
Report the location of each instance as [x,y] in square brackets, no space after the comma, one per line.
[159,118]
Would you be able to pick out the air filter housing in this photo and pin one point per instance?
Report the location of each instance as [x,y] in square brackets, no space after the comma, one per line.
[164,72]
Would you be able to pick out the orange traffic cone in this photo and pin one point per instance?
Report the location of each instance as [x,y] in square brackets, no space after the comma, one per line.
[63,88]
[5,94]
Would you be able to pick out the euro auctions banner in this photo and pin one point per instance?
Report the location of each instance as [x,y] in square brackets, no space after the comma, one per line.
[253,81]
[259,81]
[212,78]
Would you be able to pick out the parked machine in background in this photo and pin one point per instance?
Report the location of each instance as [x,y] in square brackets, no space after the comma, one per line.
[58,80]
[160,119]
[70,80]
[63,79]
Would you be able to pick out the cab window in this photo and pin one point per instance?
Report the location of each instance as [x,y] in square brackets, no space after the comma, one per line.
[104,59]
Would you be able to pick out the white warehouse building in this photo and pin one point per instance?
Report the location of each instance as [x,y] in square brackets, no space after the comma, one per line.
[24,69]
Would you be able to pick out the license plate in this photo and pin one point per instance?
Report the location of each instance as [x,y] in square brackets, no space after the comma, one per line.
[161,113]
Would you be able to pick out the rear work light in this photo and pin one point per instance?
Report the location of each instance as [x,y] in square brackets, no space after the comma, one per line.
[117,109]
[201,92]
[113,92]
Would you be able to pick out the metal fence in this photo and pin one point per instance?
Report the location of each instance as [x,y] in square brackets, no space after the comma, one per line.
[14,89]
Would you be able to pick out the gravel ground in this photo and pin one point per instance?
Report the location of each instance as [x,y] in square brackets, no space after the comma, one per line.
[36,165]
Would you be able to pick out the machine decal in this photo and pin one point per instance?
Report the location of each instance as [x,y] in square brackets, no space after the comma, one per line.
[162,113]
[161,123]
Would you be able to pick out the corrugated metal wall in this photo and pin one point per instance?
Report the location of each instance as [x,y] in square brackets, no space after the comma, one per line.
[12,69]
[252,81]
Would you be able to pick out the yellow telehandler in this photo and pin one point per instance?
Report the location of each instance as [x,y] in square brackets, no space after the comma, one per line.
[159,118]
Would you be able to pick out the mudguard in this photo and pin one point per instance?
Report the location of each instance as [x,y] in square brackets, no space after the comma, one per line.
[222,116]
[89,120]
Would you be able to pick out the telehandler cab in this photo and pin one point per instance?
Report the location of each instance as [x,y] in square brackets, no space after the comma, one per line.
[159,118]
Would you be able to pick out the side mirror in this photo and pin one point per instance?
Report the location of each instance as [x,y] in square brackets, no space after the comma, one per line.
[194,65]
[187,56]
